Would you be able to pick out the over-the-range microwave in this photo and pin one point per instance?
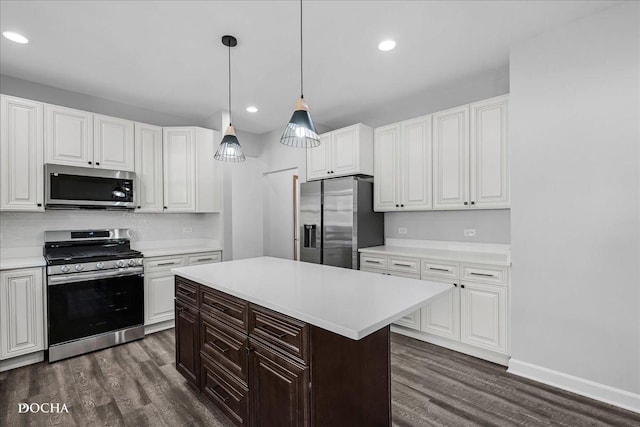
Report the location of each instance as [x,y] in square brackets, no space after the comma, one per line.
[70,187]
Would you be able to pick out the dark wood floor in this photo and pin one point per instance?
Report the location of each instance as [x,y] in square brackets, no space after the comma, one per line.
[137,385]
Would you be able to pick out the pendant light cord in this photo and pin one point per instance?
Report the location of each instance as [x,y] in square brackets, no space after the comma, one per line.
[229,84]
[301,74]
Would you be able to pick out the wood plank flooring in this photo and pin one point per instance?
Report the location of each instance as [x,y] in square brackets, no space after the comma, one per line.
[136,384]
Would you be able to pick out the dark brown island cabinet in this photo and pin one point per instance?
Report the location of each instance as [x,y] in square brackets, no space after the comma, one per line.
[266,369]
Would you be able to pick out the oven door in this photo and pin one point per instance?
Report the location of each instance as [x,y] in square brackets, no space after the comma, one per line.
[85,304]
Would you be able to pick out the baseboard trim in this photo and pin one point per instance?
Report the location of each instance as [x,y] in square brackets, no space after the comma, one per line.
[20,361]
[480,353]
[604,393]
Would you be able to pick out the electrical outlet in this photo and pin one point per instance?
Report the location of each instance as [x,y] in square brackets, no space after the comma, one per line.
[402,230]
[470,232]
[187,230]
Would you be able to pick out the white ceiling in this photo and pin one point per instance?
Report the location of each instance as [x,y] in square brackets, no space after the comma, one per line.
[167,56]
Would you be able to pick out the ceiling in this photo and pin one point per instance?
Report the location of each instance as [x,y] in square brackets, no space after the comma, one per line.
[167,55]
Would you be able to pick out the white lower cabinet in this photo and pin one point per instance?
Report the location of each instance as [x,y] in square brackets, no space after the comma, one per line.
[21,312]
[159,286]
[471,317]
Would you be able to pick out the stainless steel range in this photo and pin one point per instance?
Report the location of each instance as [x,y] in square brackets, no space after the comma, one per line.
[95,292]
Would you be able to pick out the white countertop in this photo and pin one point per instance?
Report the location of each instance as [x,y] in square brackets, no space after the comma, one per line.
[27,257]
[350,303]
[450,251]
[156,248]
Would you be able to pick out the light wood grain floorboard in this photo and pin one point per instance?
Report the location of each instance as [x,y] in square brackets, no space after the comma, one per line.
[136,384]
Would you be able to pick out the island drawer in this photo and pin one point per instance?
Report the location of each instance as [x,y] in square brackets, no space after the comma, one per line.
[283,332]
[442,269]
[225,345]
[224,307]
[203,258]
[226,392]
[186,291]
[405,264]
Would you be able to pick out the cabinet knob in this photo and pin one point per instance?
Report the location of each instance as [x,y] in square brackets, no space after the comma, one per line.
[89,162]
[455,285]
[39,205]
[466,203]
[164,207]
[462,286]
[397,206]
[473,203]
[137,207]
[98,163]
[402,206]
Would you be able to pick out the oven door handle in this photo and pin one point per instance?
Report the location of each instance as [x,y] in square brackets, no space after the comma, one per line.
[92,275]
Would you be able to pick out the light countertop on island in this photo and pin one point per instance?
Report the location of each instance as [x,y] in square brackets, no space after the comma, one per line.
[347,302]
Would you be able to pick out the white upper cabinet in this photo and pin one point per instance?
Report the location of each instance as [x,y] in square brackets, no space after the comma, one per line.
[192,177]
[68,136]
[113,146]
[79,138]
[450,158]
[148,154]
[402,166]
[346,151]
[489,153]
[471,156]
[21,154]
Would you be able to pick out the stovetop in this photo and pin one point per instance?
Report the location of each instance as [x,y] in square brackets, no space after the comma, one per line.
[69,247]
[91,255]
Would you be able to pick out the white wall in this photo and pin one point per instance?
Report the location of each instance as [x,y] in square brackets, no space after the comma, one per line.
[247,208]
[575,217]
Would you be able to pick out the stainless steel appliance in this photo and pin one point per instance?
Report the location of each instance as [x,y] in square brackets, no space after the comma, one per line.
[337,219]
[95,291]
[69,187]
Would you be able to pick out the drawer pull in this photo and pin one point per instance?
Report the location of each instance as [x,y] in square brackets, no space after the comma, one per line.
[482,274]
[270,331]
[372,262]
[218,394]
[402,264]
[188,294]
[217,347]
[165,263]
[218,307]
[205,259]
[440,269]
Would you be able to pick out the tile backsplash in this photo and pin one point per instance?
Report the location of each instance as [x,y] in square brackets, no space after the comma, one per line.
[24,229]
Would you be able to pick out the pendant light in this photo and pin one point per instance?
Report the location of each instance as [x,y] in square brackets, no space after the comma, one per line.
[229,149]
[300,131]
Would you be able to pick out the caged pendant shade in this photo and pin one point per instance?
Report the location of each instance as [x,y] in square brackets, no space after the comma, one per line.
[229,149]
[300,132]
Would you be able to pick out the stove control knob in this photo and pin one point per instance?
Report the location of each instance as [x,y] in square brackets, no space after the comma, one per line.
[100,265]
[132,262]
[64,268]
[120,263]
[79,267]
[140,261]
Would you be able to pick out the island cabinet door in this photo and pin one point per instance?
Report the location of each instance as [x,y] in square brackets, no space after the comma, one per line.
[278,389]
[187,342]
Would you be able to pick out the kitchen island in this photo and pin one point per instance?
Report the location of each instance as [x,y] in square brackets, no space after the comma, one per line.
[274,342]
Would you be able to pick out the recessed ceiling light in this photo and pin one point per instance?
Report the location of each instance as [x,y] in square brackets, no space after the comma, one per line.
[252,109]
[386,45]
[15,37]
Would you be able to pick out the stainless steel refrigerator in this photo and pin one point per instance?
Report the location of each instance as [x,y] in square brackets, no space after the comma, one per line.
[337,219]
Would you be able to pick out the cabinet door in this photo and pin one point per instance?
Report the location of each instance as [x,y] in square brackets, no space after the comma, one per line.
[21,312]
[319,158]
[451,159]
[187,342]
[489,153]
[68,136]
[148,143]
[442,315]
[158,296]
[113,146]
[415,169]
[21,154]
[278,392]
[178,152]
[484,316]
[345,151]
[385,168]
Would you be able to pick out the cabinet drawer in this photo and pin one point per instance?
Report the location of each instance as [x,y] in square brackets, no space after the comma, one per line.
[222,389]
[203,258]
[226,308]
[283,332]
[495,275]
[442,269]
[225,345]
[186,291]
[404,264]
[165,263]
[367,262]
